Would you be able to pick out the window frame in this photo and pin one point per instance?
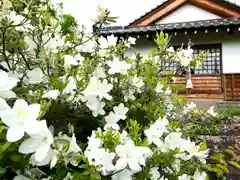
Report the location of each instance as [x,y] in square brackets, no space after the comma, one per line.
[205,46]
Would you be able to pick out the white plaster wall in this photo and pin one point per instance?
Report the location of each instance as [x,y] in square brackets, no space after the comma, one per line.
[230,46]
[231,56]
[188,13]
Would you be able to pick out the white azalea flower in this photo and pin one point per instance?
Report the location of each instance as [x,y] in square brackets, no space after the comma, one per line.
[132,40]
[170,49]
[71,86]
[185,56]
[94,141]
[3,106]
[50,158]
[95,105]
[112,40]
[112,120]
[184,177]
[52,94]
[53,43]
[88,46]
[73,146]
[190,106]
[173,140]
[129,95]
[168,91]
[156,130]
[137,82]
[98,88]
[212,112]
[21,177]
[99,72]
[16,18]
[159,88]
[69,60]
[79,58]
[121,111]
[199,176]
[98,156]
[155,173]
[193,150]
[38,143]
[105,43]
[6,85]
[131,156]
[117,66]
[125,174]
[21,118]
[35,76]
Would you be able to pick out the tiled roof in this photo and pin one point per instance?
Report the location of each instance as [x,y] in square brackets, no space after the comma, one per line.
[222,22]
[232,2]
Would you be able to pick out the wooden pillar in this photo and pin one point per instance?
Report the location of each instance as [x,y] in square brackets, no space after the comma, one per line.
[224,87]
[233,87]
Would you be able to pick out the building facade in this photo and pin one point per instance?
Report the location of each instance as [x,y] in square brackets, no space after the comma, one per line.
[210,26]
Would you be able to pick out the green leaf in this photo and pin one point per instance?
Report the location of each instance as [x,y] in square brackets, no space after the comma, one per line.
[21,44]
[219,158]
[95,176]
[231,152]
[235,164]
[2,170]
[47,18]
[203,146]
[224,168]
[1,129]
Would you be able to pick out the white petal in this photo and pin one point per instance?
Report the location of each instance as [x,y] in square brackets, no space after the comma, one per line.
[15,133]
[32,127]
[53,94]
[42,152]
[53,161]
[29,145]
[134,165]
[3,105]
[20,103]
[8,118]
[20,177]
[7,94]
[121,164]
[34,110]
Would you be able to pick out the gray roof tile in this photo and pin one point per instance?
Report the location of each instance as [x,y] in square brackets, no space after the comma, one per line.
[222,22]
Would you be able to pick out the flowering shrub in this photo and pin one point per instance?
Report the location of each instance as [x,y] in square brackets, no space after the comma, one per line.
[75,107]
[201,122]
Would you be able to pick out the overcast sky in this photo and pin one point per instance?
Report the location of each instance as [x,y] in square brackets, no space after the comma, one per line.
[126,10]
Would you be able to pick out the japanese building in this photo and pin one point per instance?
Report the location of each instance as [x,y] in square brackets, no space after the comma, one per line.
[210,25]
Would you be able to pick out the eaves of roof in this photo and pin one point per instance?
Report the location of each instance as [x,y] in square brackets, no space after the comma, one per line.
[222,22]
[165,1]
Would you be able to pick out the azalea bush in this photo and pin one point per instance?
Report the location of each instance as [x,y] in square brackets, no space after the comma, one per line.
[73,106]
[198,122]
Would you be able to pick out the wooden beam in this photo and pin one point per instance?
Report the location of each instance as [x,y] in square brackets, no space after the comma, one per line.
[159,13]
[215,8]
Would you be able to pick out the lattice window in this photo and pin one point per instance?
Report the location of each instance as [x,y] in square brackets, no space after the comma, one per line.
[212,63]
[168,66]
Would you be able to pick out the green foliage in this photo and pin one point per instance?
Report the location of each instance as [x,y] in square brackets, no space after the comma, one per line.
[46,25]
